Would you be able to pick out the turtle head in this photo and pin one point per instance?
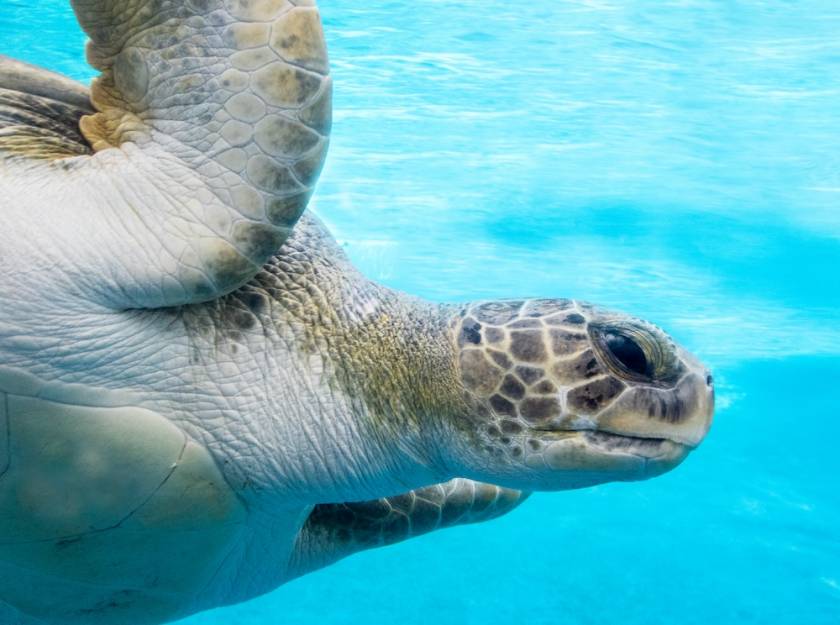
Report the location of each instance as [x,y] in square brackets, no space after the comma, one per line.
[559,394]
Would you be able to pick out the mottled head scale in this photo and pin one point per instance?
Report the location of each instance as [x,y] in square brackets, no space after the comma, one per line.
[565,395]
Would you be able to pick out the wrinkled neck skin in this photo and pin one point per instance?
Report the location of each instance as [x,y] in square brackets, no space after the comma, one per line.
[341,385]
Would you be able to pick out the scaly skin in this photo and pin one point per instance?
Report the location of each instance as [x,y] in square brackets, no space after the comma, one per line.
[192,394]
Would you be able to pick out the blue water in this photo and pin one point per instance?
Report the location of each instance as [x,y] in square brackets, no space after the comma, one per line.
[678,159]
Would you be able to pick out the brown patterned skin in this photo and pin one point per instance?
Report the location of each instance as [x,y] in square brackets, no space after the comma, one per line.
[554,395]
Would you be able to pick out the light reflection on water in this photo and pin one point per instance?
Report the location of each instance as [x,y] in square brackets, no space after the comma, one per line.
[674,159]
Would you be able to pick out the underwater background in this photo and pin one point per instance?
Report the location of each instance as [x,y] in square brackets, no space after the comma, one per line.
[675,159]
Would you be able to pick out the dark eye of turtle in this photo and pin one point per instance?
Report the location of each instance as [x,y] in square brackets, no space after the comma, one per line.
[627,352]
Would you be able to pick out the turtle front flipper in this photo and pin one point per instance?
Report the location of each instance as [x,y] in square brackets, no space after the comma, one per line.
[40,112]
[335,531]
[210,127]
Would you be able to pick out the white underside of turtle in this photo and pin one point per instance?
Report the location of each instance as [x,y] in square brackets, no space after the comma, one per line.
[200,397]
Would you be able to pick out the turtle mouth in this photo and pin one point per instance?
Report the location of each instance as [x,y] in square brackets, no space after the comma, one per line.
[650,448]
[647,447]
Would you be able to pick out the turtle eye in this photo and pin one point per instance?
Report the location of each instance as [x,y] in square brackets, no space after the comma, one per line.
[627,352]
[635,351]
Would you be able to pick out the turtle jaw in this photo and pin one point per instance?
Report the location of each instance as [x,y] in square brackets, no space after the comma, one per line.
[556,460]
[595,456]
[659,454]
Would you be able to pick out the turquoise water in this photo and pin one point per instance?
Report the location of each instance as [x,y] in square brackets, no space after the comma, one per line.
[676,159]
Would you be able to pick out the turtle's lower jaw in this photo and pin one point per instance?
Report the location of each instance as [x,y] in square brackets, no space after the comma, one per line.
[659,454]
[617,440]
[581,458]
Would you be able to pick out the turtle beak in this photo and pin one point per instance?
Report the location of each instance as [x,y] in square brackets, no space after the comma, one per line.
[682,413]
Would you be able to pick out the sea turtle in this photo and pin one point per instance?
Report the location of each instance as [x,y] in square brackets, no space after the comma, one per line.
[200,397]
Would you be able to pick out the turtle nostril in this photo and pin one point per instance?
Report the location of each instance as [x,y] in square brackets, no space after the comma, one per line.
[709,379]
